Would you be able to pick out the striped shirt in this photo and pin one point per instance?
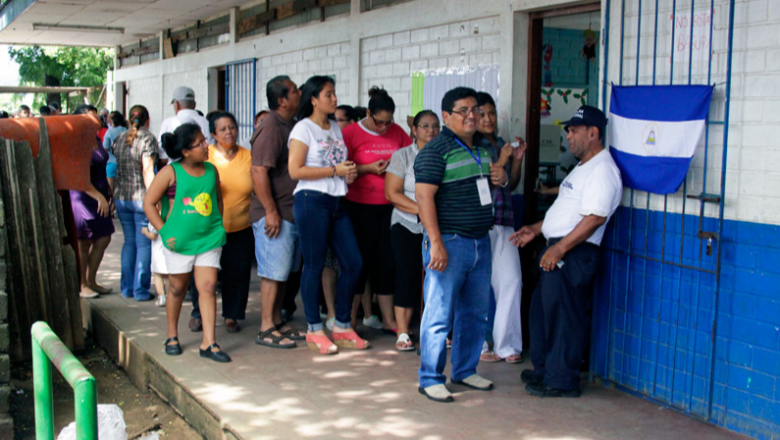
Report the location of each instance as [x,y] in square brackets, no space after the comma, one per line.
[503,213]
[445,163]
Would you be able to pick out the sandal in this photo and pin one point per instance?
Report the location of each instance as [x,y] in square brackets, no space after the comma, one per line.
[275,341]
[291,333]
[350,339]
[489,356]
[173,349]
[321,344]
[514,359]
[404,343]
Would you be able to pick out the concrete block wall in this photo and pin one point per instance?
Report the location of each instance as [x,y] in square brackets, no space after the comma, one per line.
[149,93]
[332,60]
[389,60]
[567,66]
[6,423]
[196,79]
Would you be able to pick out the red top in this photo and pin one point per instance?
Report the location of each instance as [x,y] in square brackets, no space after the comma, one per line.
[101,134]
[366,147]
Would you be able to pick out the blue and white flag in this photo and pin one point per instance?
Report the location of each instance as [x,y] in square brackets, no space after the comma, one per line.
[654,131]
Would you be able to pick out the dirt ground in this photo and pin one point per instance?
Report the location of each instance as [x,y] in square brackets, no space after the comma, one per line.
[143,410]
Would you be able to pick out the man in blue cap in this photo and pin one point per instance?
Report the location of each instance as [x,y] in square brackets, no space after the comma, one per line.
[573,227]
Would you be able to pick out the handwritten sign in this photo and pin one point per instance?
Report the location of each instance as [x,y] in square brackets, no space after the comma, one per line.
[696,45]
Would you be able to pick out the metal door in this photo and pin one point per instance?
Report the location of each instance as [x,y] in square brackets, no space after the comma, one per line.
[241,93]
[662,267]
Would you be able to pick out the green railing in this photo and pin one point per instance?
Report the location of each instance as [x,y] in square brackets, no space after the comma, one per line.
[47,349]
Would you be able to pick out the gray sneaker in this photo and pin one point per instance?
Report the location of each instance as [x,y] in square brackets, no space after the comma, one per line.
[160,300]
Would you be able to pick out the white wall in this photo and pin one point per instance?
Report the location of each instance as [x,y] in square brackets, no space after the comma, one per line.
[753,169]
[389,60]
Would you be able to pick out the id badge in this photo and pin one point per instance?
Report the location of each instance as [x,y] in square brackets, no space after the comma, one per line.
[484,191]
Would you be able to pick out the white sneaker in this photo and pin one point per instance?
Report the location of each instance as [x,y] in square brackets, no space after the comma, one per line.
[437,393]
[161,300]
[330,323]
[372,322]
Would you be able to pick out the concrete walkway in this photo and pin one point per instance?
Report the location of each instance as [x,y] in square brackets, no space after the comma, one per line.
[269,394]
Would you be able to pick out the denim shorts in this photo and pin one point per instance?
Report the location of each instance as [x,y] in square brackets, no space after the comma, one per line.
[279,256]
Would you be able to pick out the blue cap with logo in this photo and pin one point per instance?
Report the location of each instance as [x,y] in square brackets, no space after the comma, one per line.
[588,116]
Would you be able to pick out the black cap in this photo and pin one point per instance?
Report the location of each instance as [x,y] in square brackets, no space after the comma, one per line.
[589,116]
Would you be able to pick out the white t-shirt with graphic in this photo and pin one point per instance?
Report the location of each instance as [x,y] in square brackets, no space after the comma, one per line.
[326,149]
[591,189]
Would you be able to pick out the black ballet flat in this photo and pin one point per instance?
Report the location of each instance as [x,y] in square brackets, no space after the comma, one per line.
[172,350]
[216,356]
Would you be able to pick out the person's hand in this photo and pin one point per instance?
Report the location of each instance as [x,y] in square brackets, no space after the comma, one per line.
[344,168]
[273,224]
[351,176]
[104,209]
[551,257]
[505,153]
[378,167]
[522,236]
[497,174]
[543,189]
[519,152]
[439,257]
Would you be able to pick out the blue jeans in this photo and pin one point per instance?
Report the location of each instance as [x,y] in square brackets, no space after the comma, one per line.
[456,299]
[136,251]
[322,220]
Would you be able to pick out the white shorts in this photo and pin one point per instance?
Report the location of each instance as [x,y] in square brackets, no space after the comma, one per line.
[158,257]
[178,263]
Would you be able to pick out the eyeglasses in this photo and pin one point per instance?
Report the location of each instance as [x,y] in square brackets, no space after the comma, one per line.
[429,126]
[464,112]
[381,123]
[345,120]
[200,144]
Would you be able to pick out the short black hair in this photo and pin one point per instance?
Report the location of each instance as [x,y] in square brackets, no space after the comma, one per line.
[484,98]
[422,114]
[24,107]
[83,109]
[456,94]
[45,110]
[214,117]
[349,111]
[276,89]
[4,114]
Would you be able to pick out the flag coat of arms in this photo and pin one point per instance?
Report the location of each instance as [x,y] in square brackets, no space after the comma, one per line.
[654,131]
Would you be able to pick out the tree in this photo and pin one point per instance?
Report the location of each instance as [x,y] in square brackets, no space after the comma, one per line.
[62,66]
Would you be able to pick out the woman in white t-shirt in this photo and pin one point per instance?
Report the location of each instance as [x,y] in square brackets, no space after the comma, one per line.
[318,160]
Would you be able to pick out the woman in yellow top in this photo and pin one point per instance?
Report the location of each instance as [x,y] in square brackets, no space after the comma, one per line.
[233,164]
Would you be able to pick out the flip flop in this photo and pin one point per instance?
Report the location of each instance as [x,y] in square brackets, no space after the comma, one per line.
[404,339]
[275,341]
[489,356]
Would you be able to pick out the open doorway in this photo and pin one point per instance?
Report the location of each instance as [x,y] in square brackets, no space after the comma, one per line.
[563,74]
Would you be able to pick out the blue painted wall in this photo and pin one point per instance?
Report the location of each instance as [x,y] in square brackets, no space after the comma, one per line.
[653,322]
[568,67]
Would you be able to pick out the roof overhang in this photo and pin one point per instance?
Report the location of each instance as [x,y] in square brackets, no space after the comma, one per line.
[100,22]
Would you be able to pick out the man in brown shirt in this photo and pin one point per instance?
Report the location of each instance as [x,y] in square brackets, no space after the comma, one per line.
[277,247]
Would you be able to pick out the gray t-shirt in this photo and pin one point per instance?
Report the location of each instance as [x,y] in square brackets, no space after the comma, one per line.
[402,165]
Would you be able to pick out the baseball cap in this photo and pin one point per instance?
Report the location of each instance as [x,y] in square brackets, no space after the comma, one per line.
[587,115]
[183,93]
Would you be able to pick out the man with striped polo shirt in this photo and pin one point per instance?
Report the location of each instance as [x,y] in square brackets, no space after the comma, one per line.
[454,181]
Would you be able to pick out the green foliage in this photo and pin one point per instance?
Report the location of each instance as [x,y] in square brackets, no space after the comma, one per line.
[62,66]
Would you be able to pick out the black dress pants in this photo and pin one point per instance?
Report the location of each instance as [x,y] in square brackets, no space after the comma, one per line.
[560,317]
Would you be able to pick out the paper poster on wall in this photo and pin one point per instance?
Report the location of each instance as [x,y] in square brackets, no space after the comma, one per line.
[696,46]
[438,82]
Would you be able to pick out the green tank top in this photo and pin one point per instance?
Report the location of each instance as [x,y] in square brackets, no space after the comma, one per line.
[195,220]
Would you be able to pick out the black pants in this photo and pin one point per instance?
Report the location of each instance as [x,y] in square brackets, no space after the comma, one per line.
[407,250]
[560,317]
[371,224]
[236,262]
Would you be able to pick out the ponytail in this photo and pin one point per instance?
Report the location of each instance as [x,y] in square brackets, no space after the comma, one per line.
[181,139]
[138,119]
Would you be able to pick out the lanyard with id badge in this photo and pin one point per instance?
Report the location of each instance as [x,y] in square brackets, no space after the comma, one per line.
[485,198]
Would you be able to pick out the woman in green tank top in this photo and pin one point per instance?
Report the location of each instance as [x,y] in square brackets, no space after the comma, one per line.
[192,233]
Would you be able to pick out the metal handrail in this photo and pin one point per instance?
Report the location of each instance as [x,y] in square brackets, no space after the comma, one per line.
[48,349]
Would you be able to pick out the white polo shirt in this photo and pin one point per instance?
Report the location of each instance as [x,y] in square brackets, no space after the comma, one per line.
[594,188]
[184,116]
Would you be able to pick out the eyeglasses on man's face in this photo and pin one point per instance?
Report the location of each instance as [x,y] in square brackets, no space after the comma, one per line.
[464,111]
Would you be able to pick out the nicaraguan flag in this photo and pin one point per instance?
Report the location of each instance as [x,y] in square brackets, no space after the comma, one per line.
[654,131]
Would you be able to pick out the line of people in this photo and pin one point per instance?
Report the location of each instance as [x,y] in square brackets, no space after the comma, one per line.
[362,205]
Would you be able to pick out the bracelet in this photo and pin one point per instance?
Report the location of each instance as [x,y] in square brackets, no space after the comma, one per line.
[504,184]
[334,170]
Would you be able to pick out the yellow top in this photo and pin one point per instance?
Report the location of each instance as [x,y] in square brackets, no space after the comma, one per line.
[236,183]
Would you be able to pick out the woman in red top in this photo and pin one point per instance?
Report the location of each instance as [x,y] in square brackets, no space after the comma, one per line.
[371,142]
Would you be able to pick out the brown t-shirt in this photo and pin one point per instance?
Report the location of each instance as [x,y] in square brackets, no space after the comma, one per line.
[269,149]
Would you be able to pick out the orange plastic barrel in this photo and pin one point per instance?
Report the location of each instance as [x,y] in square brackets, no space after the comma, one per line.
[71,140]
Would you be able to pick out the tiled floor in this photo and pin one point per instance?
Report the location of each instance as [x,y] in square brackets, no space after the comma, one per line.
[269,393]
